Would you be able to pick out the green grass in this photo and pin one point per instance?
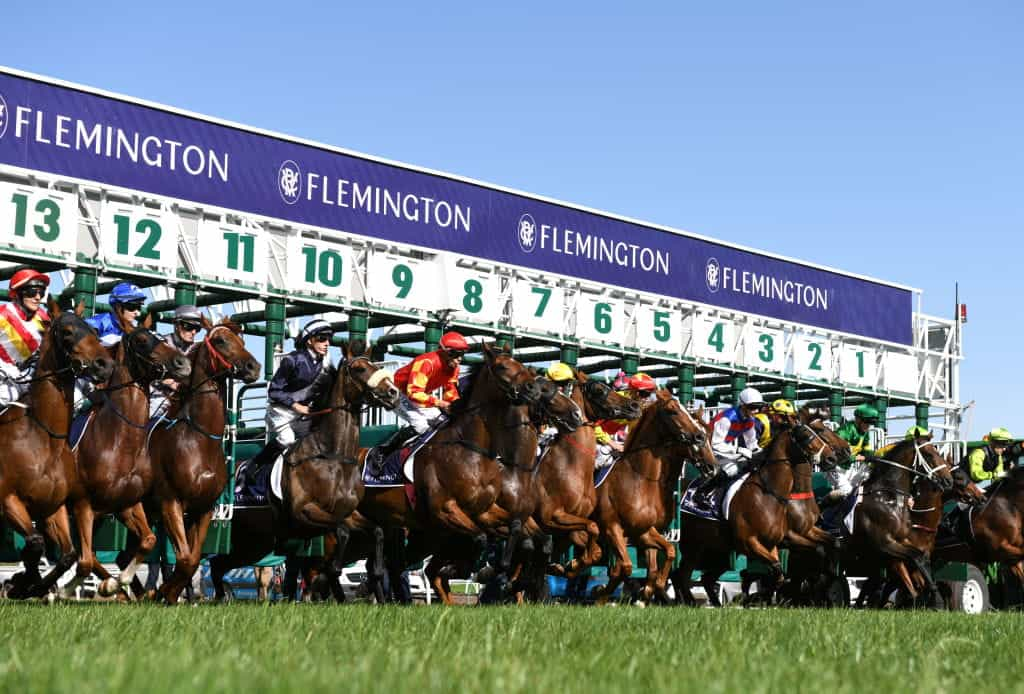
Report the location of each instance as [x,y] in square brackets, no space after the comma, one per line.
[359,648]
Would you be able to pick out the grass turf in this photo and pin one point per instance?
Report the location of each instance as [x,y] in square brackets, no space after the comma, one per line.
[303,648]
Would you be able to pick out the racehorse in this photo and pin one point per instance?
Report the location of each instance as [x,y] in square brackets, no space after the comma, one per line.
[457,475]
[321,480]
[187,449]
[636,499]
[115,472]
[565,482]
[37,469]
[757,521]
[883,522]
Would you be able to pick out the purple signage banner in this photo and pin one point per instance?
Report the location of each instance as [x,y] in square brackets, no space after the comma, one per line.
[77,133]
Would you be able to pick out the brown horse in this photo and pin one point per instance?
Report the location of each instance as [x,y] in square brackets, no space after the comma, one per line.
[115,472]
[635,503]
[457,474]
[566,475]
[188,453]
[757,522]
[37,469]
[321,480]
[802,511]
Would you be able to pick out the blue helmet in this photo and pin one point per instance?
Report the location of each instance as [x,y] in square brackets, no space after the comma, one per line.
[125,293]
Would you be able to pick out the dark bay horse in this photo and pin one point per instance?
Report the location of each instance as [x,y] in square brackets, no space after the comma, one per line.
[37,469]
[758,515]
[636,501]
[115,472]
[188,453]
[565,481]
[321,480]
[802,512]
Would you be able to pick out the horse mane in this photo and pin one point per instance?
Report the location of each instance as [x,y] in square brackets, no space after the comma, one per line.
[231,325]
[471,377]
[646,414]
[898,448]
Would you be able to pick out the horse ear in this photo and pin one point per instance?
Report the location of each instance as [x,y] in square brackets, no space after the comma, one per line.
[53,307]
[580,376]
[489,354]
[147,322]
[79,310]
[207,325]
[506,348]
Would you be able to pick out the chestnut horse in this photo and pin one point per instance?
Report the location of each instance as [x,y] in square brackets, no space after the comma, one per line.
[115,472]
[636,501]
[566,476]
[757,521]
[321,481]
[187,451]
[37,469]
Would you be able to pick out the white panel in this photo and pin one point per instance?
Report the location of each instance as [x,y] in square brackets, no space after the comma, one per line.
[139,237]
[900,372]
[38,219]
[659,329]
[538,307]
[404,282]
[714,338]
[858,365]
[601,318]
[319,266]
[812,358]
[765,349]
[474,294]
[231,252]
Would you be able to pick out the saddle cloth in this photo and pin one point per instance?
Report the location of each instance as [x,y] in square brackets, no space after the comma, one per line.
[254,490]
[601,473]
[397,468]
[78,426]
[838,520]
[720,497]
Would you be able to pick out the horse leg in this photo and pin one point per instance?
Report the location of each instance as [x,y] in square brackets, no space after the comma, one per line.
[709,576]
[85,517]
[18,516]
[379,568]
[174,525]
[623,567]
[58,529]
[753,546]
[565,522]
[454,518]
[439,582]
[682,579]
[135,520]
[515,536]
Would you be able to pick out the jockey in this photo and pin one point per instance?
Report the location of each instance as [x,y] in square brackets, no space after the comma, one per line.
[187,324]
[778,412]
[733,433]
[562,376]
[843,480]
[642,388]
[611,434]
[295,385]
[22,324]
[417,380]
[126,302]
[992,461]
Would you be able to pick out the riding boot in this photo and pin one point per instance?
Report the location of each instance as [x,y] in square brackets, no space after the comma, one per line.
[267,456]
[706,489]
[390,446]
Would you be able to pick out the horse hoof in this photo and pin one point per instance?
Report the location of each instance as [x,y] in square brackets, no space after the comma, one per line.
[107,587]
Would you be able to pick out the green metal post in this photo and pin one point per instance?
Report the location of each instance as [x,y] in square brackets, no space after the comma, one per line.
[630,365]
[789,391]
[738,384]
[504,339]
[432,336]
[358,325]
[185,294]
[835,406]
[85,289]
[921,414]
[275,315]
[570,355]
[687,375]
[882,405]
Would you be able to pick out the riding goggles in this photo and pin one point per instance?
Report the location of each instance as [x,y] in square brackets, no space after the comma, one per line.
[33,292]
[455,353]
[132,306]
[190,326]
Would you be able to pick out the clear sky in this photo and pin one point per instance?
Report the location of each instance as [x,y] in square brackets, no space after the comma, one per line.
[876,137]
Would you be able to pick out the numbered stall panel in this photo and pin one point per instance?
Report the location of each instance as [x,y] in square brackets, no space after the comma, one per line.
[408,283]
[659,329]
[601,318]
[538,307]
[319,266]
[765,349]
[133,236]
[232,252]
[900,372]
[714,338]
[38,219]
[858,365]
[812,357]
[474,295]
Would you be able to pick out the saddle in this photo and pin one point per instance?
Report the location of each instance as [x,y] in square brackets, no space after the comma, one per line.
[253,486]
[710,499]
[395,467]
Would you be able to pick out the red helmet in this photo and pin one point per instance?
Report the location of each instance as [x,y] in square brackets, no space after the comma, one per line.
[455,341]
[22,278]
[643,382]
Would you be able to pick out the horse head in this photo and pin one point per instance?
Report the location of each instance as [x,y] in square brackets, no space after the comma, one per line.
[226,352]
[923,460]
[516,382]
[604,402]
[74,343]
[149,358]
[677,425]
[841,451]
[809,444]
[364,381]
[558,408]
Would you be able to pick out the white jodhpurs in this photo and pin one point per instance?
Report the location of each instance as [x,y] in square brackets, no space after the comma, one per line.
[419,418]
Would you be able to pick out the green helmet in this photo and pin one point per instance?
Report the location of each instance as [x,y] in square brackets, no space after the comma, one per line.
[917,432]
[1000,435]
[867,413]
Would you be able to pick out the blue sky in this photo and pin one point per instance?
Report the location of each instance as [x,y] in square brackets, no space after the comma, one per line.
[879,138]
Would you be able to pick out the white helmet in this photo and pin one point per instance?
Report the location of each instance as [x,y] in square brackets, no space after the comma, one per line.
[751,396]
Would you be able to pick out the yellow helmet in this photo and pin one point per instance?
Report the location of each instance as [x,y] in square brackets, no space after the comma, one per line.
[1000,435]
[783,406]
[917,432]
[560,372]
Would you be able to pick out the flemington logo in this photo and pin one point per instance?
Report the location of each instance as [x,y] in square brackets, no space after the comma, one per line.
[526,233]
[713,275]
[726,278]
[3,116]
[289,182]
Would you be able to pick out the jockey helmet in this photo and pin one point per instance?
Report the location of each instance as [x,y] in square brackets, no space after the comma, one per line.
[187,312]
[917,431]
[783,406]
[27,278]
[621,381]
[559,372]
[751,397]
[1000,435]
[644,383]
[866,412]
[454,342]
[317,326]
[126,293]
